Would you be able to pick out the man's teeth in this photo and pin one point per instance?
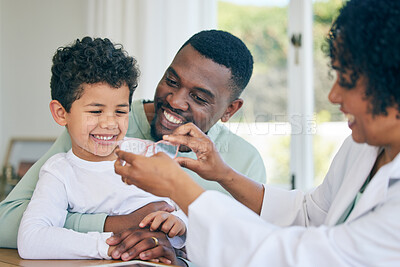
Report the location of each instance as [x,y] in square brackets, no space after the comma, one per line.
[105,138]
[350,118]
[172,119]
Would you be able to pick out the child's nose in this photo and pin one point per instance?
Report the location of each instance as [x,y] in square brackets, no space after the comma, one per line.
[109,122]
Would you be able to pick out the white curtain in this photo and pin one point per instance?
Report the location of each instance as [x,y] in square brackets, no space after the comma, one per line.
[150,30]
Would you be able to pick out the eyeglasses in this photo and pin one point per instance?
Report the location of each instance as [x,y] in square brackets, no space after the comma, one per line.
[148,148]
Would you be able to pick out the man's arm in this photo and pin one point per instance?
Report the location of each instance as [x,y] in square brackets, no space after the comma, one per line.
[119,223]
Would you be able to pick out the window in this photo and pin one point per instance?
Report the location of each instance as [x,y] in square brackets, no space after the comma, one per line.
[264,119]
[332,130]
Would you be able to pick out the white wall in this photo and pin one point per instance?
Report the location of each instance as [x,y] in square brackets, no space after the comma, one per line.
[31,31]
[151,30]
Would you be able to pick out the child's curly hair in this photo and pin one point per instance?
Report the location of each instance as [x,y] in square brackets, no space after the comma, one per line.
[90,61]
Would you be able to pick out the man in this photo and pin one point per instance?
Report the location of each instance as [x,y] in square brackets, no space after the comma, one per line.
[202,85]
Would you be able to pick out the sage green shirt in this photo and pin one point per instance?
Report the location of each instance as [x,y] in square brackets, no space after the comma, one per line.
[235,151]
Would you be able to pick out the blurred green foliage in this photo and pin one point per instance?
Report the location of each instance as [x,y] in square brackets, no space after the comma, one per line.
[264,30]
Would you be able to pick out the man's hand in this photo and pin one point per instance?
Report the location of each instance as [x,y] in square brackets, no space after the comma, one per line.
[210,166]
[209,163]
[117,224]
[142,244]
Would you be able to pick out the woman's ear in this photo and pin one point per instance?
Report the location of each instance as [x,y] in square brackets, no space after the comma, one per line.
[233,107]
[58,112]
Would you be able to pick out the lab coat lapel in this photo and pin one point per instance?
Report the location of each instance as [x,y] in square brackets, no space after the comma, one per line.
[376,191]
[352,182]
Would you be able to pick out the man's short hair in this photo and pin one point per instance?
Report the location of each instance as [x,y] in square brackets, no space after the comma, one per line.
[227,50]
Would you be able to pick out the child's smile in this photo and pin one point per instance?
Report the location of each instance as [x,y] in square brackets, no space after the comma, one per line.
[97,120]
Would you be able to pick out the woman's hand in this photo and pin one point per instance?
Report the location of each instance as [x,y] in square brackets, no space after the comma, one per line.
[159,175]
[209,163]
[154,174]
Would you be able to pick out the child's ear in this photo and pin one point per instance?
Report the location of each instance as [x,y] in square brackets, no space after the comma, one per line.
[58,112]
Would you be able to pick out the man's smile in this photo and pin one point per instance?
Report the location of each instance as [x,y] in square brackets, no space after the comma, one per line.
[172,118]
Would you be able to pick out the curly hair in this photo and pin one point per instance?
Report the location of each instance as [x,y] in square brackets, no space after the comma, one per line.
[90,61]
[227,50]
[365,40]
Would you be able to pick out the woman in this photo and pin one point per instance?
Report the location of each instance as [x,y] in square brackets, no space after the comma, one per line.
[352,218]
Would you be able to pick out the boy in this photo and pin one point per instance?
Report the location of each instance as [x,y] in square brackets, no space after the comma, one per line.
[91,87]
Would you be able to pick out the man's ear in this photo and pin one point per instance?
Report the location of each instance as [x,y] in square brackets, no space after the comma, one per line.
[233,107]
[58,112]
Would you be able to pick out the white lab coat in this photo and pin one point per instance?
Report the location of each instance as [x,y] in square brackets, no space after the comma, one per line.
[223,232]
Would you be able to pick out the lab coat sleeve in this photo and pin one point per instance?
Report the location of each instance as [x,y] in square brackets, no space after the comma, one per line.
[286,208]
[225,233]
[41,234]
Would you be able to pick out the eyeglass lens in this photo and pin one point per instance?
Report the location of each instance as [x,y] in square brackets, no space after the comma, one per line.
[148,148]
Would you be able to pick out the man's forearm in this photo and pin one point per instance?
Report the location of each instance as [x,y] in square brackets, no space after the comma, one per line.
[10,217]
[119,223]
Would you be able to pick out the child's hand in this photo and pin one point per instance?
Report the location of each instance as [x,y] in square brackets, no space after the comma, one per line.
[170,224]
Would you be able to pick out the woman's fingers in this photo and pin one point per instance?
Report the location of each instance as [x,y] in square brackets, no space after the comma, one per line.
[129,170]
[126,156]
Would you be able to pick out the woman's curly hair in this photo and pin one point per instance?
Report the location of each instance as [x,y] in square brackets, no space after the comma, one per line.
[365,40]
[90,61]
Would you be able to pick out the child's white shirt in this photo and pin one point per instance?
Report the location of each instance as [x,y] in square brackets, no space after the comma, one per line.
[70,184]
